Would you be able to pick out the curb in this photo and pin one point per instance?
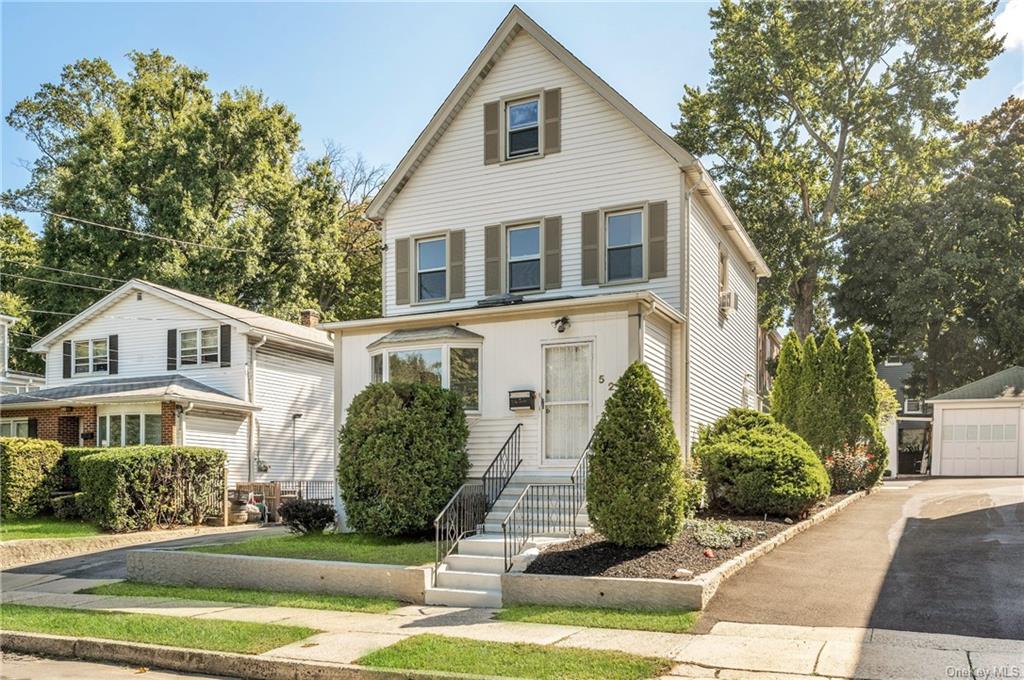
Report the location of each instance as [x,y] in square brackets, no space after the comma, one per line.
[711,580]
[27,551]
[251,667]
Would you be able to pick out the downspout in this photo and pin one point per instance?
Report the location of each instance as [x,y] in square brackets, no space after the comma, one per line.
[250,434]
[685,272]
[184,412]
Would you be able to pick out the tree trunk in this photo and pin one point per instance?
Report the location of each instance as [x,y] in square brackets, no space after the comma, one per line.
[802,292]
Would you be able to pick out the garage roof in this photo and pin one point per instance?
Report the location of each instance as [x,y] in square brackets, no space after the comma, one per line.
[996,385]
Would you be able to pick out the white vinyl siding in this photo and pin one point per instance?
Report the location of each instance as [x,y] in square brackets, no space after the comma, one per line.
[657,354]
[221,431]
[605,160]
[722,352]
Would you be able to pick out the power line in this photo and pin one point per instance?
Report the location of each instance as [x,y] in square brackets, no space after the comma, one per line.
[27,335]
[46,311]
[56,283]
[68,271]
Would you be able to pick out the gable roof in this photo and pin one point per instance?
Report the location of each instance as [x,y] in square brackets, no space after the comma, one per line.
[245,320]
[989,387]
[514,23]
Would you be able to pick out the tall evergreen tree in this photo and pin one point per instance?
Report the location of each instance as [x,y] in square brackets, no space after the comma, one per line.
[786,387]
[831,427]
[808,395]
[861,396]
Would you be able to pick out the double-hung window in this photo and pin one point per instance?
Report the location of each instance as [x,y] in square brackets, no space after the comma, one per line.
[523,248]
[14,427]
[451,367]
[200,346]
[91,356]
[432,269]
[624,239]
[523,123]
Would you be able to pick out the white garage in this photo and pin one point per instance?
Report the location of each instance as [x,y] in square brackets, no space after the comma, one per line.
[977,428]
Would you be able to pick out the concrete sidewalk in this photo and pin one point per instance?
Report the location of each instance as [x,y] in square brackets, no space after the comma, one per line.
[731,650]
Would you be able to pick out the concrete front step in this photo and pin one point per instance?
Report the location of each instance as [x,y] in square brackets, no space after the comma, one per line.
[476,563]
[460,597]
[468,580]
[486,544]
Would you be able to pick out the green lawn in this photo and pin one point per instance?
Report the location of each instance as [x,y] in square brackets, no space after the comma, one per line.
[12,529]
[343,603]
[664,621]
[334,547]
[459,655]
[210,634]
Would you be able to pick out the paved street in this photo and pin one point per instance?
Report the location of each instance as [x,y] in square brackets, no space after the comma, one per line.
[21,667]
[937,556]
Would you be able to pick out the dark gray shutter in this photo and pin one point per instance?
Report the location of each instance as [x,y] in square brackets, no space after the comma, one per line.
[492,260]
[67,358]
[657,240]
[492,133]
[112,355]
[402,247]
[552,253]
[172,349]
[225,346]
[457,264]
[33,428]
[590,251]
[553,120]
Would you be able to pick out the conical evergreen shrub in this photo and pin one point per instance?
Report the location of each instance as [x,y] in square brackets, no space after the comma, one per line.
[861,395]
[635,488]
[808,394]
[786,386]
[832,425]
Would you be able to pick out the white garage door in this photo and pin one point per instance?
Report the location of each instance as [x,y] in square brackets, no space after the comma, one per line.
[980,442]
[221,432]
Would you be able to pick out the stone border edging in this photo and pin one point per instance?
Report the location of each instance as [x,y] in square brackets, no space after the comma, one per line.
[256,667]
[183,567]
[648,593]
[26,551]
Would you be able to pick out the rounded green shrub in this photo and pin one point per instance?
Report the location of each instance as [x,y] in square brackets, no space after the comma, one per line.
[402,455]
[635,488]
[29,472]
[755,465]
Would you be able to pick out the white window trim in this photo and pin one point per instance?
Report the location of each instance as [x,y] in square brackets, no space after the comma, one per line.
[122,415]
[506,258]
[503,105]
[723,269]
[445,365]
[13,422]
[605,213]
[199,347]
[91,342]
[416,268]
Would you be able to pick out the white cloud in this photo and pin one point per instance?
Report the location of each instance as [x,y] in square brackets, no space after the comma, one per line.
[1010,23]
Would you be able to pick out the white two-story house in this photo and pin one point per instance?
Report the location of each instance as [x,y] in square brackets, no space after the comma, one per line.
[541,234]
[148,364]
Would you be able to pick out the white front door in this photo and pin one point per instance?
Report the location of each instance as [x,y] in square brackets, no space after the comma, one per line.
[980,442]
[567,401]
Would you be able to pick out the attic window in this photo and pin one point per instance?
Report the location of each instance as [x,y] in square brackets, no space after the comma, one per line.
[523,120]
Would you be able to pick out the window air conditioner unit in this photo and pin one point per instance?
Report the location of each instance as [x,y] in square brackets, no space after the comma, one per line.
[913,406]
[727,302]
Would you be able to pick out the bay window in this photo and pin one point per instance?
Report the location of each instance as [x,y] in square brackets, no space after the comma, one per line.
[452,367]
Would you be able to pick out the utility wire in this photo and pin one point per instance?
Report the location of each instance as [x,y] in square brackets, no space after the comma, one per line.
[56,283]
[68,271]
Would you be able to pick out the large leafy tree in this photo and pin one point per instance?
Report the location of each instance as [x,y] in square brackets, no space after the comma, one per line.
[811,103]
[936,273]
[215,182]
[19,252]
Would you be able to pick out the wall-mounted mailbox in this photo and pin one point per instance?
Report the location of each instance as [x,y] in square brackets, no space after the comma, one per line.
[522,400]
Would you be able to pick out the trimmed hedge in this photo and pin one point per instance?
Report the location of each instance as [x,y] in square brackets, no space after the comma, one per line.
[756,465]
[636,493]
[402,455]
[29,472]
[303,516]
[138,488]
[69,465]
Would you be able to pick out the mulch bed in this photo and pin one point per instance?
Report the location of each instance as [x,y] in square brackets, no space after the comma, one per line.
[591,555]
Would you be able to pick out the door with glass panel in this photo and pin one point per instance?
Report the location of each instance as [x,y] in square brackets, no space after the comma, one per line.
[567,401]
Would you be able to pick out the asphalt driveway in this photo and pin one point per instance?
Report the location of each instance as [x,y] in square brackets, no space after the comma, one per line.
[944,555]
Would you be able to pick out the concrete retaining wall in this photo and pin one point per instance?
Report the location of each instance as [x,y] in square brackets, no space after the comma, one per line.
[601,591]
[176,567]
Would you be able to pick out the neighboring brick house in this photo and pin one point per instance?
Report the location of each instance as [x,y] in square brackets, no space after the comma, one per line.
[149,364]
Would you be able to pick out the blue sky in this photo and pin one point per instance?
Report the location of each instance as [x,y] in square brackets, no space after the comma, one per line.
[369,76]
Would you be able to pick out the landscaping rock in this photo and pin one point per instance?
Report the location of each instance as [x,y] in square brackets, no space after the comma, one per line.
[684,574]
[788,520]
[709,553]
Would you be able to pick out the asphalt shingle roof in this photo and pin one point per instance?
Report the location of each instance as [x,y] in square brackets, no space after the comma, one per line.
[172,386]
[990,387]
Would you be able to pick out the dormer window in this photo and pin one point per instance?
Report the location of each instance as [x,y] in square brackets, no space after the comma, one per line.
[523,121]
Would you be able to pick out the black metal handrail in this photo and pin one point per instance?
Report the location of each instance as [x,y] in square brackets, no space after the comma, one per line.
[461,517]
[546,509]
[501,469]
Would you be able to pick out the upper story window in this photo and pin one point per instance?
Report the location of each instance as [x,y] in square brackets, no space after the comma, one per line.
[91,356]
[523,248]
[624,239]
[523,123]
[199,347]
[431,269]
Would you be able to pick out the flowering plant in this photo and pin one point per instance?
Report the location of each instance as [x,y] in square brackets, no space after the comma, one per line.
[851,468]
